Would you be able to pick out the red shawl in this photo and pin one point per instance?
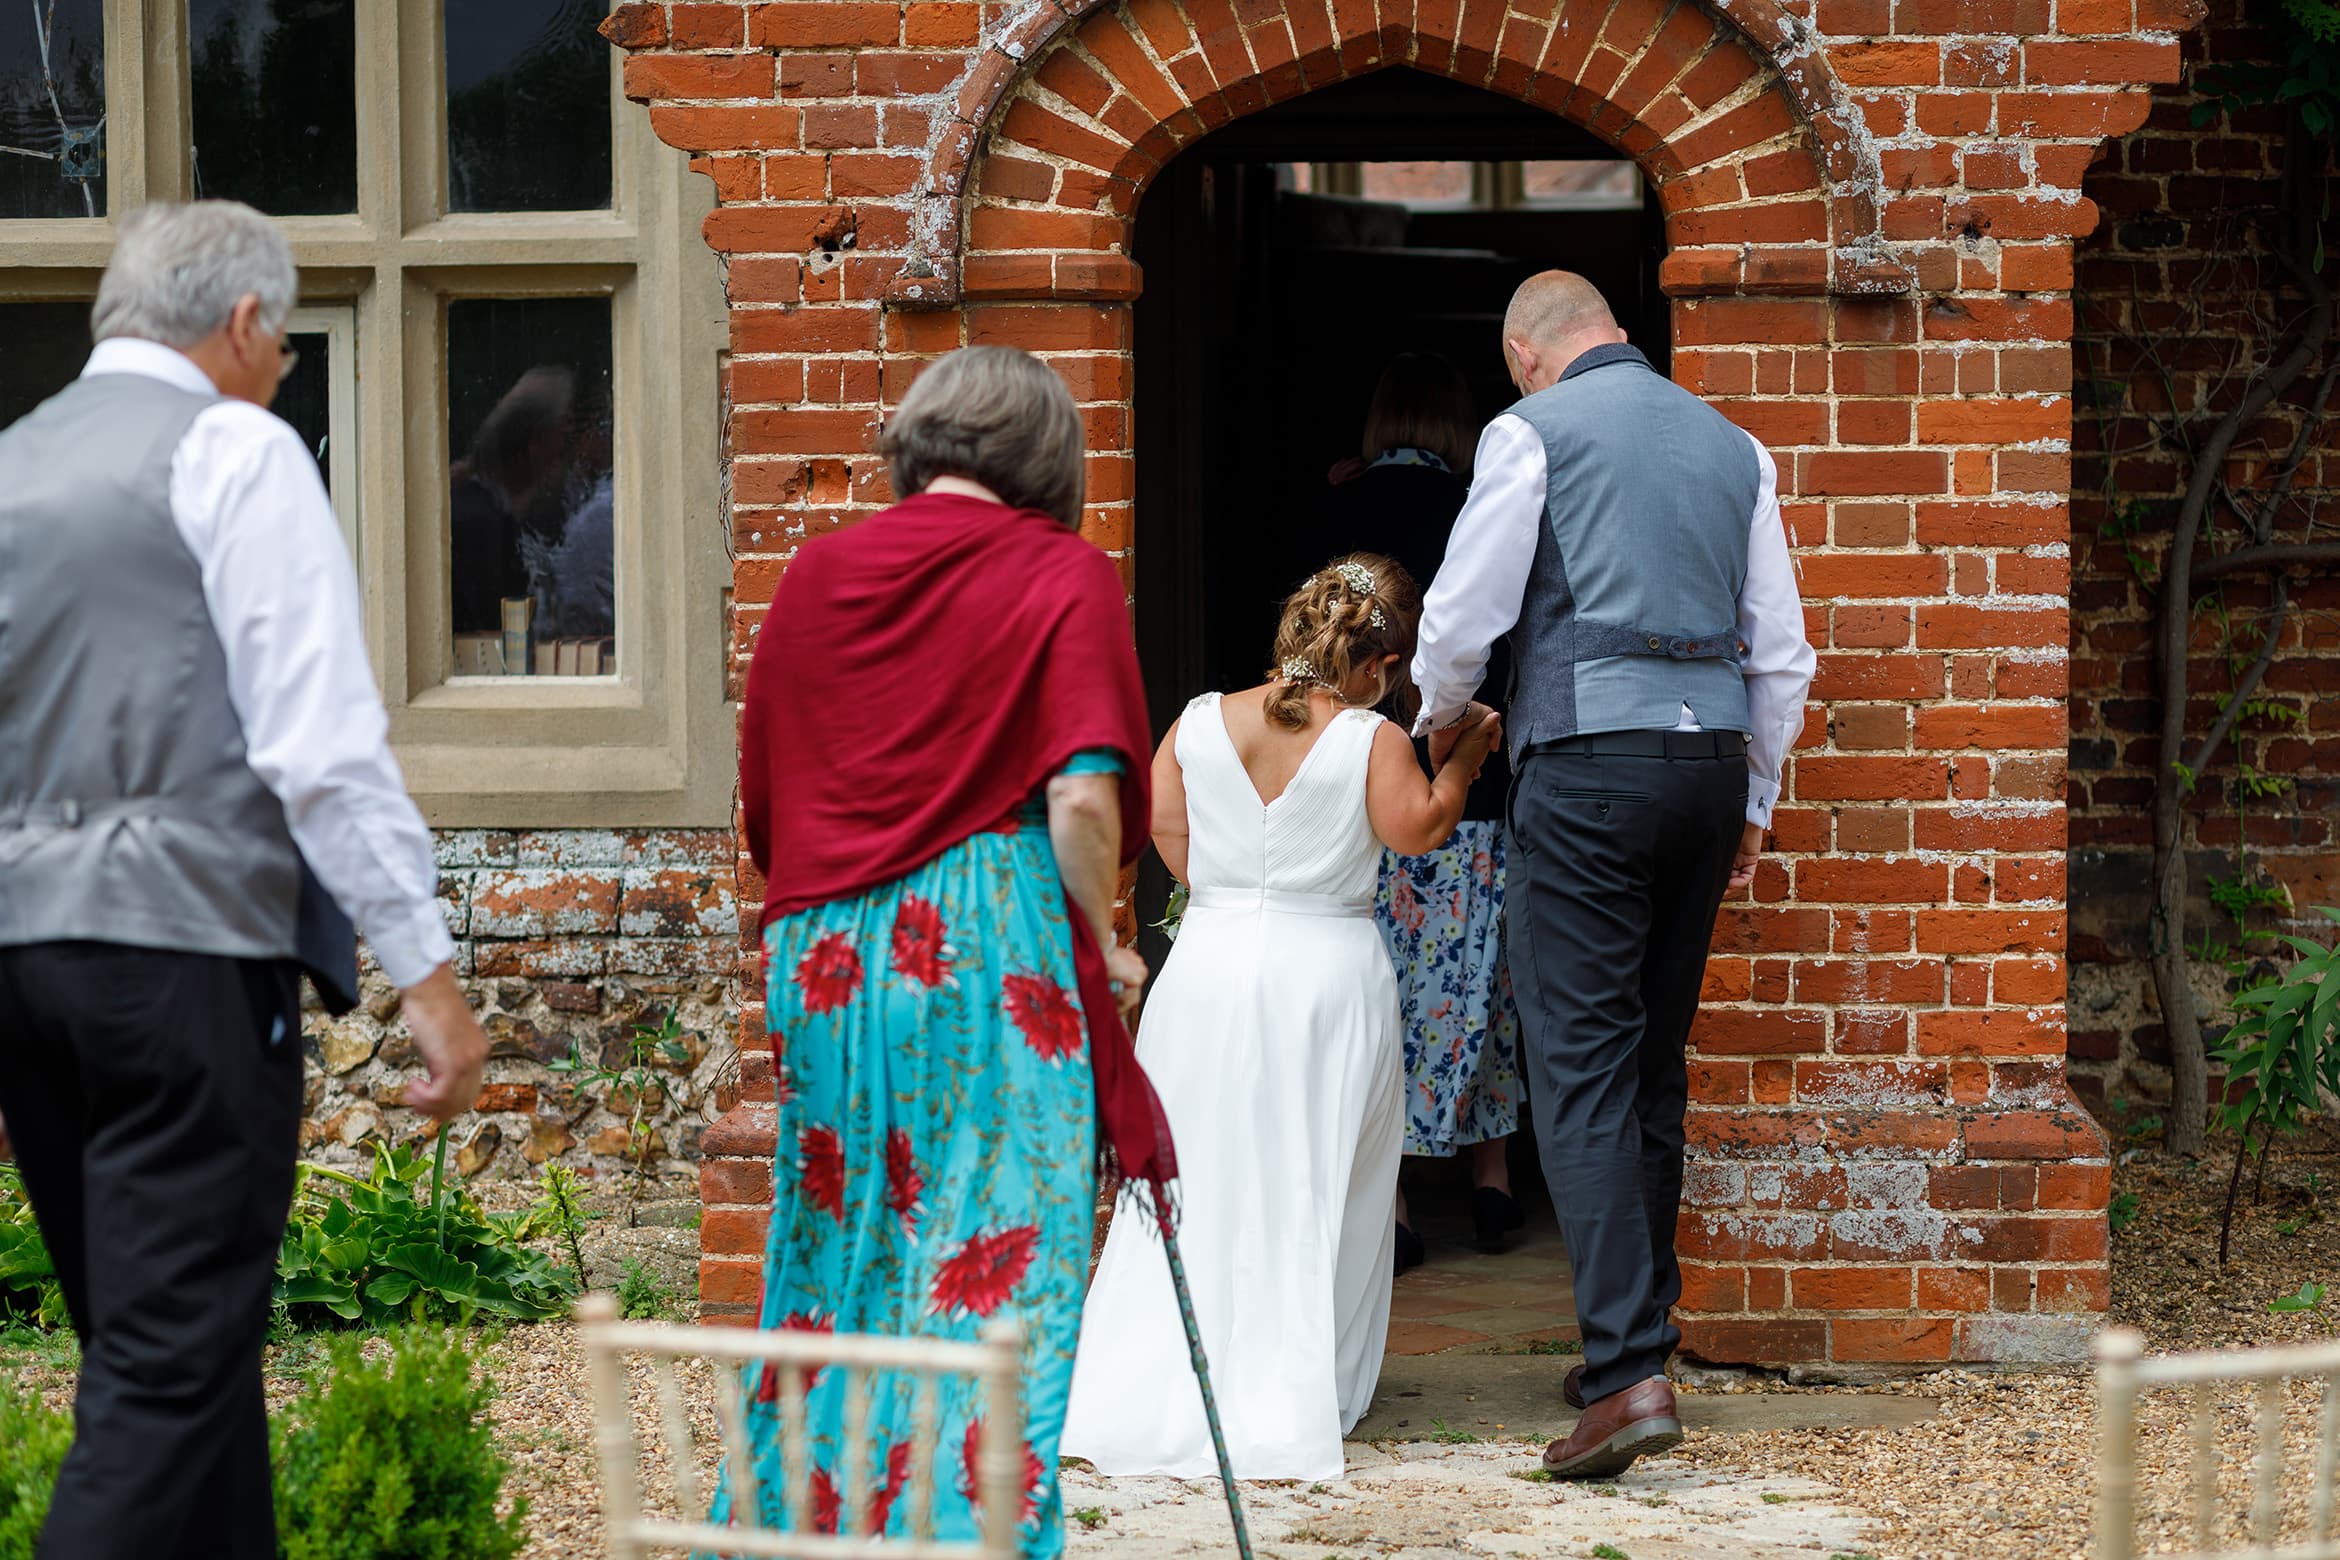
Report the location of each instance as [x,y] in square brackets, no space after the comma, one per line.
[920,676]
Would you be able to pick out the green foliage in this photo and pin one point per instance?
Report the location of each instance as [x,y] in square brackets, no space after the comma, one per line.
[373,1251]
[2281,1056]
[2309,1298]
[29,1291]
[2281,1053]
[1608,1552]
[33,1441]
[1173,913]
[2304,74]
[640,1296]
[2244,894]
[1090,1517]
[2124,1211]
[394,1459]
[635,1090]
[560,1210]
[1447,1437]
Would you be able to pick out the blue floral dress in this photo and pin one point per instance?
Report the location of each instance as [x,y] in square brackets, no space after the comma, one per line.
[936,1162]
[1441,913]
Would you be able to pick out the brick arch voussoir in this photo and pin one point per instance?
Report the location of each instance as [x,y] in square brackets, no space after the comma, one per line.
[1091,98]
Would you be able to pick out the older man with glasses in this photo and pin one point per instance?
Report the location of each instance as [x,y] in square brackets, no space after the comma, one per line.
[197,798]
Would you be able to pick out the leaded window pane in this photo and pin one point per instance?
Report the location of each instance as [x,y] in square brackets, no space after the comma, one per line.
[274,94]
[531,497]
[52,108]
[528,106]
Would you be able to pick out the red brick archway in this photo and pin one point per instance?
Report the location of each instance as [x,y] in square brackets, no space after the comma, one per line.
[1871,257]
[1733,121]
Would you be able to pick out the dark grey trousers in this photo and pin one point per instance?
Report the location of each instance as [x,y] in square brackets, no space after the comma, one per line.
[155,1100]
[1617,866]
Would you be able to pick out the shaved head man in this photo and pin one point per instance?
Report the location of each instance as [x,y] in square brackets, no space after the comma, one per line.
[1627,538]
[1554,318]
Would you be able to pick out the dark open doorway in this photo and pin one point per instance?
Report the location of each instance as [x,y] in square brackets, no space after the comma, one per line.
[1270,308]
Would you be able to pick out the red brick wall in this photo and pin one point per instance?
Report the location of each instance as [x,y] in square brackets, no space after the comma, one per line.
[1870,207]
[2178,261]
[564,938]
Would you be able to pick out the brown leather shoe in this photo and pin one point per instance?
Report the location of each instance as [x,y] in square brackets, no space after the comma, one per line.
[1637,1422]
[1572,1388]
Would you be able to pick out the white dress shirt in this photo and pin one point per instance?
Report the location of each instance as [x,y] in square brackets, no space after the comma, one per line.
[283,598]
[1477,595]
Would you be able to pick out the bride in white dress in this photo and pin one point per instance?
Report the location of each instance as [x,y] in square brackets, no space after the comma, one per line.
[1272,1035]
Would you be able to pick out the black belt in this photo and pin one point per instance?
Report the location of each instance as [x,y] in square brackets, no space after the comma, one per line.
[1647,744]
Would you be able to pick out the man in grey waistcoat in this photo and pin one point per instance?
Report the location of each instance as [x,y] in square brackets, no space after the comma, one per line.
[197,799]
[1628,538]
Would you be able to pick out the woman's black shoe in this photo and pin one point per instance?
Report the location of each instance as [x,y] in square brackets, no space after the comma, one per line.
[1409,1249]
[1497,1214]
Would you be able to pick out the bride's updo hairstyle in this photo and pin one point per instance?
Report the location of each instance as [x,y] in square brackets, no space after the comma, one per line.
[991,415]
[1348,614]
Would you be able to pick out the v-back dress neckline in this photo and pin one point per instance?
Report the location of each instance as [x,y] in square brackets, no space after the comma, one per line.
[1267,803]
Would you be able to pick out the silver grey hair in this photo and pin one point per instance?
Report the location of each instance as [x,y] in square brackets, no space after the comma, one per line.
[996,416]
[180,269]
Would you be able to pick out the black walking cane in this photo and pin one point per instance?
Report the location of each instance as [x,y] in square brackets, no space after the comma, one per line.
[1202,1368]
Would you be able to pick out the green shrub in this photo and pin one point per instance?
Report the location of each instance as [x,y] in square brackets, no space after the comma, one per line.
[393,1459]
[383,1248]
[640,1296]
[33,1439]
[29,1291]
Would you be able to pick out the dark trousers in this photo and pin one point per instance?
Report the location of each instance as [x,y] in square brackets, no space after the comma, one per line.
[1617,866]
[154,1099]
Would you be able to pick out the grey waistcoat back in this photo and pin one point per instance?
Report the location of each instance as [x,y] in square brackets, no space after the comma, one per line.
[1631,609]
[127,811]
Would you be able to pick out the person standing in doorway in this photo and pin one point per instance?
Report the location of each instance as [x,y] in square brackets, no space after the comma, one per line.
[195,783]
[1628,538]
[1441,912]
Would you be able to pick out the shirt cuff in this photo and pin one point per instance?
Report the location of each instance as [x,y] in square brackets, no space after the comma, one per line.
[1438,720]
[411,948]
[1762,796]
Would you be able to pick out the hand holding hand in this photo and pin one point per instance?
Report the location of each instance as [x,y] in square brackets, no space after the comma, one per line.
[1445,739]
[1128,972]
[1750,852]
[452,1047]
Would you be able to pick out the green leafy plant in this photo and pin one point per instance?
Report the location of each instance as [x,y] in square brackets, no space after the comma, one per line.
[1440,1433]
[394,1457]
[1608,1552]
[2304,75]
[2123,1213]
[29,1291]
[1090,1517]
[636,1090]
[2309,1297]
[1555,1346]
[370,1249]
[560,1209]
[33,1442]
[640,1295]
[2281,1055]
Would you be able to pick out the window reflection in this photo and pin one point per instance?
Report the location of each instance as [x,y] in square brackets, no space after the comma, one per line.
[531,497]
[275,103]
[42,346]
[52,109]
[528,105]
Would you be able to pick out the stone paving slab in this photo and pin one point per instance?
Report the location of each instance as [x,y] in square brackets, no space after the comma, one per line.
[1518,1395]
[1417,1501]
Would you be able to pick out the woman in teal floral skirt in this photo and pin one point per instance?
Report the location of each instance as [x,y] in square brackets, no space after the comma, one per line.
[938,779]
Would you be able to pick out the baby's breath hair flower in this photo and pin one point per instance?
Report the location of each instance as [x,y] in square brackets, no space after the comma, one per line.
[1358,578]
[1297,669]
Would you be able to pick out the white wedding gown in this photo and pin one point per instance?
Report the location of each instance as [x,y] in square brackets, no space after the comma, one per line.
[1272,1036]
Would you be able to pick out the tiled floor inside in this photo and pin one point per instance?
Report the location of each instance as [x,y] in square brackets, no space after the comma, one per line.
[1462,1300]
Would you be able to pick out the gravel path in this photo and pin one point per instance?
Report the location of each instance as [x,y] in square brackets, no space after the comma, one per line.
[2007,1468]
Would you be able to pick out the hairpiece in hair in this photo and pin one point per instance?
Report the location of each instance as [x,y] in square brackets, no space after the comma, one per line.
[1297,669]
[1360,581]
